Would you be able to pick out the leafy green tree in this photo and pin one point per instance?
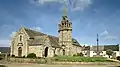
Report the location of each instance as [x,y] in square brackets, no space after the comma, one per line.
[109,52]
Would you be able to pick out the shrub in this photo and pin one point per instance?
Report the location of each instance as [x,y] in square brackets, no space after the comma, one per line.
[74,55]
[80,54]
[13,55]
[1,58]
[31,55]
[24,56]
[118,58]
[18,57]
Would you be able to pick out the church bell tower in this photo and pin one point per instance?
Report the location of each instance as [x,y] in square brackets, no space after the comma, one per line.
[65,35]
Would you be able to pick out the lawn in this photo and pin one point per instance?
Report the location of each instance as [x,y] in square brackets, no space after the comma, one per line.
[80,59]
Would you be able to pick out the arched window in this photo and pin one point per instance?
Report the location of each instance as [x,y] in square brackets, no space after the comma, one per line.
[62,23]
[69,24]
[46,51]
[20,38]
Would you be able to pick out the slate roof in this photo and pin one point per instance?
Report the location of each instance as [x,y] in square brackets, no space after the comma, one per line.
[32,33]
[53,40]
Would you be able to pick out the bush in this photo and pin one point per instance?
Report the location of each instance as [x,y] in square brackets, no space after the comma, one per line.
[24,56]
[118,58]
[74,55]
[31,55]
[13,55]
[81,54]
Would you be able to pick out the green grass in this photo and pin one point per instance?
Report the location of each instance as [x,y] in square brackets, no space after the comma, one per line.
[80,59]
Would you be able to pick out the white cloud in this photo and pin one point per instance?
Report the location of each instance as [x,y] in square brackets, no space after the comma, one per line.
[36,28]
[107,36]
[74,5]
[80,4]
[104,33]
[110,37]
[12,34]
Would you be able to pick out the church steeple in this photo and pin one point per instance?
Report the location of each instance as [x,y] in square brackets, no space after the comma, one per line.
[65,23]
[65,34]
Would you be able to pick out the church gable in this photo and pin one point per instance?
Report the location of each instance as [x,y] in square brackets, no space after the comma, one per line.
[20,35]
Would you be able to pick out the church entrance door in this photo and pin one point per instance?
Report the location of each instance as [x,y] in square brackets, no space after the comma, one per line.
[19,52]
[46,51]
[63,51]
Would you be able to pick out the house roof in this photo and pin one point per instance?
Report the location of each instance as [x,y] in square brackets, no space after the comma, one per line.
[38,40]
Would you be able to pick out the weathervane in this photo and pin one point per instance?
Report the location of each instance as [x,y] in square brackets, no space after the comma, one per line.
[64,12]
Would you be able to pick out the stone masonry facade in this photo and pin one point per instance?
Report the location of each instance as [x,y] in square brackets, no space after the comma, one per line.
[28,41]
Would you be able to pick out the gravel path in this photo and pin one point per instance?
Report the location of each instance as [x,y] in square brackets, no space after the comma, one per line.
[45,65]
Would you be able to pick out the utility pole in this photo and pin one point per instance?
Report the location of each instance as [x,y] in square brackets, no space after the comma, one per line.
[97,45]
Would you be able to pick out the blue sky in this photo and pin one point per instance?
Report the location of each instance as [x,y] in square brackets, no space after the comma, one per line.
[88,17]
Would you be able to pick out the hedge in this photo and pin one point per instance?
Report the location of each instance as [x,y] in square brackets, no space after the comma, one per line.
[80,59]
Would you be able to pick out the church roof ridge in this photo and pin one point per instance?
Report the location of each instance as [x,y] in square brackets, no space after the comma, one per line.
[53,39]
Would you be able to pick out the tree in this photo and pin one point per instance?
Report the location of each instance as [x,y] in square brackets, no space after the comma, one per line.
[109,52]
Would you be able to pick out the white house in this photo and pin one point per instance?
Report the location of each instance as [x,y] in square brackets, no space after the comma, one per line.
[91,51]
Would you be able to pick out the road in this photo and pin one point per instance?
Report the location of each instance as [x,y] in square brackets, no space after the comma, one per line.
[45,65]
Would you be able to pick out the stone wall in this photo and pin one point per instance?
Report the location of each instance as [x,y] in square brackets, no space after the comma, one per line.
[76,49]
[40,51]
[37,50]
[16,43]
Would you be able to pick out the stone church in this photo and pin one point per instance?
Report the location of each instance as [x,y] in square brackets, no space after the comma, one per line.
[43,45]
